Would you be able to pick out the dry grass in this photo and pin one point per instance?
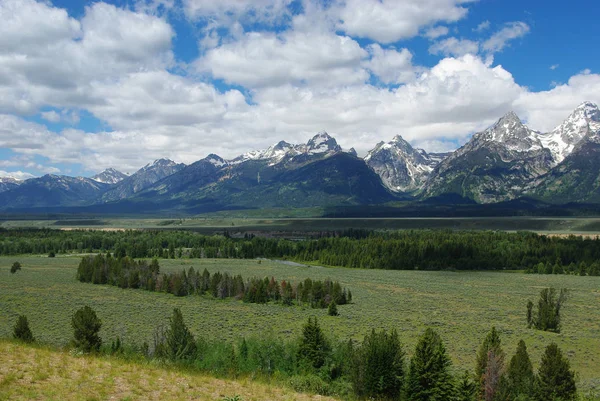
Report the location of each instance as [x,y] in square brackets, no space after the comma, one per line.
[33,373]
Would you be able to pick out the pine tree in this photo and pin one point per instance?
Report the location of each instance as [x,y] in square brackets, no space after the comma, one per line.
[332,309]
[86,326]
[555,380]
[378,368]
[465,389]
[519,374]
[22,331]
[490,343]
[429,378]
[314,347]
[179,341]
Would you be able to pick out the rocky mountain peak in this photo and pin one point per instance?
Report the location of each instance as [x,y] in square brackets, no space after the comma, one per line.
[584,122]
[109,176]
[322,143]
[215,160]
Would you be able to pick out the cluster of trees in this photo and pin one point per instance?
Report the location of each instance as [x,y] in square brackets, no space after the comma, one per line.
[549,305]
[414,249]
[377,368]
[126,272]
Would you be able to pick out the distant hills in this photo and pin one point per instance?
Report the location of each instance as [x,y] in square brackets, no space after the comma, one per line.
[504,163]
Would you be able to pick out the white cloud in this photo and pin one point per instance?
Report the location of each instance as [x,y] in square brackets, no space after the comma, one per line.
[266,59]
[547,109]
[51,116]
[454,47]
[390,65]
[499,40]
[227,12]
[18,175]
[436,32]
[388,21]
[484,26]
[554,67]
[56,59]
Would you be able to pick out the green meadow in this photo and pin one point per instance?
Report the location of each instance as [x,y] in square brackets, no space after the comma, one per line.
[461,306]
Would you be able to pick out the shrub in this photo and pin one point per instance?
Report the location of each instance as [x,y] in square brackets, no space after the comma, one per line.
[86,326]
[22,331]
[15,267]
[332,309]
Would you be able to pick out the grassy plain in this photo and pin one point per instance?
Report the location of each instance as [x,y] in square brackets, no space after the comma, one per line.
[36,373]
[241,223]
[460,306]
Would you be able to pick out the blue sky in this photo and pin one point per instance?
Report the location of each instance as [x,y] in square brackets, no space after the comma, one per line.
[87,85]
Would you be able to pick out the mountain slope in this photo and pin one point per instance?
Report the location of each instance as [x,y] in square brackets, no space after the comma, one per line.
[495,165]
[53,190]
[401,167]
[110,176]
[8,183]
[142,179]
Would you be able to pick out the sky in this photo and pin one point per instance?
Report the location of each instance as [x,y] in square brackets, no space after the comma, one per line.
[87,85]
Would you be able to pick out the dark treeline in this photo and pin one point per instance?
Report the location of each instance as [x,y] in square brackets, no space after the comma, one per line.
[401,250]
[125,272]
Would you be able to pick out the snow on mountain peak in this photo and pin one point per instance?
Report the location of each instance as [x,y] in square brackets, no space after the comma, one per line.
[215,160]
[583,122]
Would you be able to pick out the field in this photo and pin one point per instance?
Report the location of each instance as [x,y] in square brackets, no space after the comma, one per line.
[280,226]
[28,373]
[462,307]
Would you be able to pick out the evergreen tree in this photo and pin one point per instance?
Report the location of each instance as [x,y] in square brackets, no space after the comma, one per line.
[490,343]
[519,374]
[314,347]
[22,331]
[378,368]
[429,378]
[179,341]
[555,380]
[86,326]
[332,309]
[465,389]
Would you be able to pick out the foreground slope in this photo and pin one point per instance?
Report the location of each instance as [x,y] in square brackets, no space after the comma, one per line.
[28,373]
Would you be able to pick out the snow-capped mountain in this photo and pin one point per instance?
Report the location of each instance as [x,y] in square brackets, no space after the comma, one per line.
[8,183]
[401,167]
[583,122]
[110,176]
[53,190]
[321,145]
[508,159]
[142,179]
[495,165]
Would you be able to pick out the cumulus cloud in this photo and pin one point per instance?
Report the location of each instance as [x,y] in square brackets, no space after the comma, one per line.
[390,65]
[436,32]
[55,61]
[454,47]
[262,59]
[388,21]
[499,40]
[17,175]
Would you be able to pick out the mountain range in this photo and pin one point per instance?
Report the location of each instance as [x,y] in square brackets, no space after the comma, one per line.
[505,162]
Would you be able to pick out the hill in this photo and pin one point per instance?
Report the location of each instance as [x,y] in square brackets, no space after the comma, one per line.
[30,372]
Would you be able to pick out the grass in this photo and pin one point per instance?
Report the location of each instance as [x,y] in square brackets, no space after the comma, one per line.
[462,307]
[28,373]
